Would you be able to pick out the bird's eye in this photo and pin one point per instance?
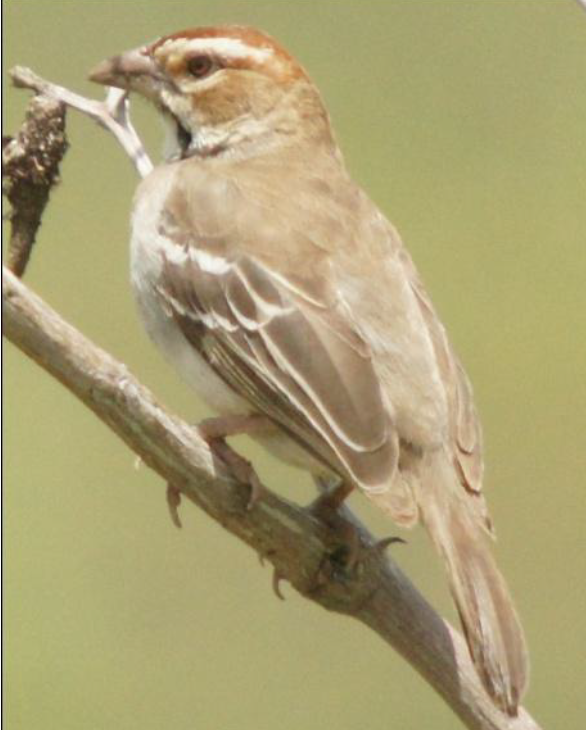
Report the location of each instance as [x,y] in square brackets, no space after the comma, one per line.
[200,66]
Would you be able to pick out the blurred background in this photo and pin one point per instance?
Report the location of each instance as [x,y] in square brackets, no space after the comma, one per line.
[466,121]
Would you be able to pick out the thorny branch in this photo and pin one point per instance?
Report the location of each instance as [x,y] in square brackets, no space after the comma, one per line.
[304,550]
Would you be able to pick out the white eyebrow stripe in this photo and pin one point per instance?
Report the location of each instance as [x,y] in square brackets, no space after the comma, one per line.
[229,48]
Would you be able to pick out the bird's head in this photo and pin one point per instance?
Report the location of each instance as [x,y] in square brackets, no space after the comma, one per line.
[224,90]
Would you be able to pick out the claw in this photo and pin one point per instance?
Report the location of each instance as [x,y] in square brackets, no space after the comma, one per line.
[277,578]
[381,545]
[173,502]
[220,427]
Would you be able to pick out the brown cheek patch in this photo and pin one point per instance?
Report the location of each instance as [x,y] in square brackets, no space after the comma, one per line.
[221,103]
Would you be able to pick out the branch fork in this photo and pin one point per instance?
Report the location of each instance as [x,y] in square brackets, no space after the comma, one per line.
[112,113]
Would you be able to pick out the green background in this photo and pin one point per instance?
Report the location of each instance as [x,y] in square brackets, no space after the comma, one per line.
[466,121]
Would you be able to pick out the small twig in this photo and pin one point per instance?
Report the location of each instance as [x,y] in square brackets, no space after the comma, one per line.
[30,161]
[30,169]
[111,113]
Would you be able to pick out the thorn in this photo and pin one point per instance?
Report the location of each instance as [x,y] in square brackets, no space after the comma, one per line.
[173,502]
[137,463]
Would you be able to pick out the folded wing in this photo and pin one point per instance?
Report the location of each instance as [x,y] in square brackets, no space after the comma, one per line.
[278,343]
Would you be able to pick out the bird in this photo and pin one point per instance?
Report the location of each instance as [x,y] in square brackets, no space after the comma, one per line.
[287,300]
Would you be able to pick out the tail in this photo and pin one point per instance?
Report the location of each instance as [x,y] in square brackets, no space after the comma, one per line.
[491,626]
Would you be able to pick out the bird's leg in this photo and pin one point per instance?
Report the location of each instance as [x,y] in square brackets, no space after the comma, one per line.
[216,430]
[221,427]
[333,493]
[329,508]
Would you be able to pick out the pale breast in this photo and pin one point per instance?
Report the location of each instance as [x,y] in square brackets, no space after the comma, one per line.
[147,250]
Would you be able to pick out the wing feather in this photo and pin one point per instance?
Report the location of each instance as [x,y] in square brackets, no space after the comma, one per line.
[273,349]
[465,432]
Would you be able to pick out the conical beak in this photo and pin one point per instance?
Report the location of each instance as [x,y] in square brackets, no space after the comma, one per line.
[132,70]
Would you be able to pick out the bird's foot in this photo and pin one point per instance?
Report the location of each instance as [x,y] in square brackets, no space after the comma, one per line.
[216,430]
[328,508]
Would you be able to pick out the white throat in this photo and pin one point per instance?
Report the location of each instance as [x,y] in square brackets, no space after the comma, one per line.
[242,138]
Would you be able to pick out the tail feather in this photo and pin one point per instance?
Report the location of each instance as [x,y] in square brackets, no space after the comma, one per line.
[491,626]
